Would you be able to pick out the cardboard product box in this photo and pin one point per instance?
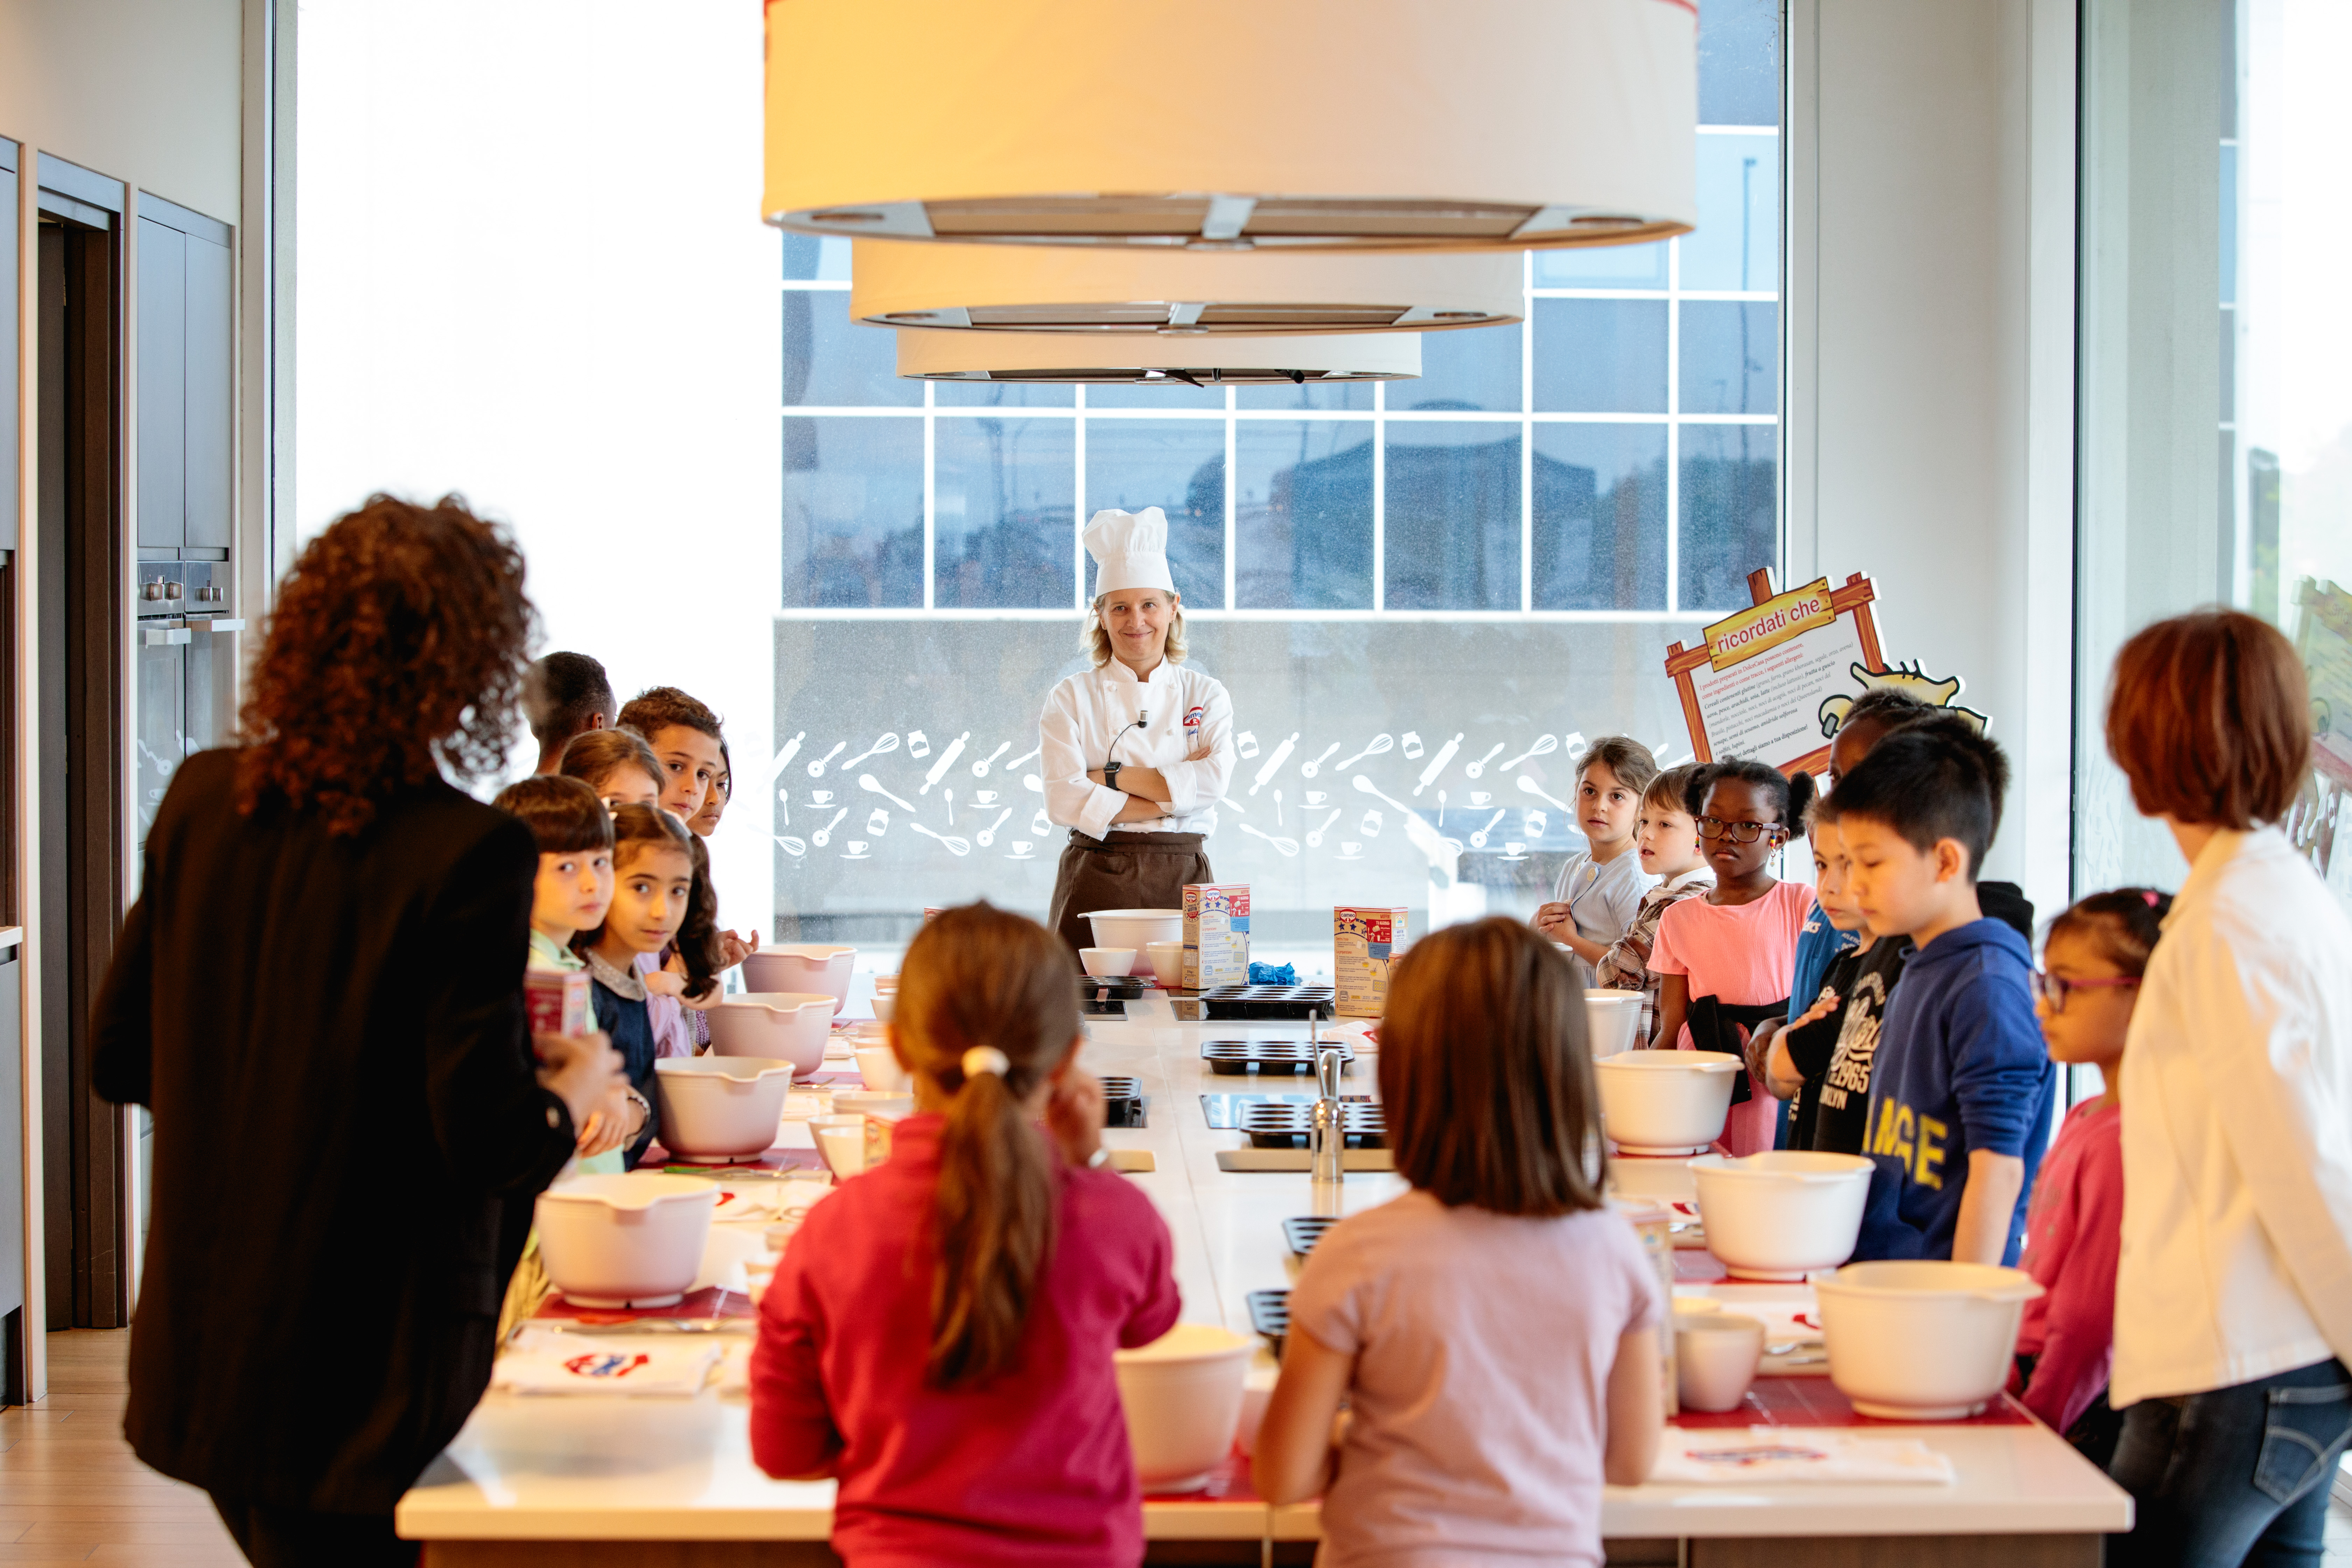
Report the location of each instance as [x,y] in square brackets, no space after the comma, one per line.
[1216,934]
[557,1000]
[1363,941]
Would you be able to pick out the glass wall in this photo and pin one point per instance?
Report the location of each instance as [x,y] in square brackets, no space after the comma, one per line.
[2216,453]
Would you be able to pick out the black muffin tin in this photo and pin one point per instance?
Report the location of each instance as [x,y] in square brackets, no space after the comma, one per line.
[1123,1102]
[1269,1001]
[1303,1231]
[1224,1112]
[1278,1126]
[1269,1313]
[1230,1057]
[1107,997]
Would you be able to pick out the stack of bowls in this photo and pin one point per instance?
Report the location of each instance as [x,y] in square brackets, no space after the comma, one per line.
[802,966]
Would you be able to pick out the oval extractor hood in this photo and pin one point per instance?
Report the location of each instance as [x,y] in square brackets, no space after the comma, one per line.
[1234,123]
[1056,288]
[1172,359]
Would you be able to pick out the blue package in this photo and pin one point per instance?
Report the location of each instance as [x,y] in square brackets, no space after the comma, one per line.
[1267,975]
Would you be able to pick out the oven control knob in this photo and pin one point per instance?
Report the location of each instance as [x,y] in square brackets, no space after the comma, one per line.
[174,590]
[152,589]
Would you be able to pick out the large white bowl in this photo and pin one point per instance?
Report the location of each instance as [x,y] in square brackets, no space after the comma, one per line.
[782,1026]
[1922,1341]
[1665,1102]
[634,1238]
[1183,1393]
[1614,1021]
[1783,1213]
[807,966]
[715,1109]
[1137,928]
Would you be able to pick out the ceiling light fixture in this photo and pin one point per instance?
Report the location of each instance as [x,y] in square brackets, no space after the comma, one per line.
[1157,358]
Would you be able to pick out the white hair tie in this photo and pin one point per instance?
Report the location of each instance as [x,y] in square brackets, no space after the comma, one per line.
[985,1059]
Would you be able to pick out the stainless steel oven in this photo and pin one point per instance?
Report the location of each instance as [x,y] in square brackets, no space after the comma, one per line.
[179,608]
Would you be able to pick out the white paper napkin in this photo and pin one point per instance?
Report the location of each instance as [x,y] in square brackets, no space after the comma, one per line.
[637,1366]
[1762,1454]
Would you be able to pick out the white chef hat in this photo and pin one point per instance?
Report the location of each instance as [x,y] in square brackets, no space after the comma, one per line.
[1130,549]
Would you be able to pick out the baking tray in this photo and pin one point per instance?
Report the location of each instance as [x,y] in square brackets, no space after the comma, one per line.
[1108,996]
[1269,1001]
[1269,1313]
[1282,1126]
[1124,1102]
[1303,1231]
[1224,1112]
[1279,1058]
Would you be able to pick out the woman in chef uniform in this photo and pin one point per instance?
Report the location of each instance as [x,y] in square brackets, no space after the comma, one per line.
[1138,750]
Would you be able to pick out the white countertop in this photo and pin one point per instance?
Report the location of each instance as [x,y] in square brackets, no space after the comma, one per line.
[589,1468]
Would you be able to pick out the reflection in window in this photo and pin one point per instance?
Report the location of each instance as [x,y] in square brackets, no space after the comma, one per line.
[852,513]
[1740,63]
[1156,395]
[1602,267]
[1729,524]
[1471,367]
[1453,532]
[1178,466]
[1002,394]
[831,360]
[1001,496]
[1732,357]
[1599,533]
[1737,245]
[821,259]
[1601,356]
[1314,394]
[1303,515]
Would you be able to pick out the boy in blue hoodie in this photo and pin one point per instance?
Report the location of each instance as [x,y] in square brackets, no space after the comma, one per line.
[1961,1091]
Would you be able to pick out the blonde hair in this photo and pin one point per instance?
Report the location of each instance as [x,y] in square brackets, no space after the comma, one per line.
[1096,641]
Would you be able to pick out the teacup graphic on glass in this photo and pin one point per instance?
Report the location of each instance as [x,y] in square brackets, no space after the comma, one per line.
[1021,848]
[983,797]
[820,798]
[1316,797]
[1477,797]
[857,847]
[1350,850]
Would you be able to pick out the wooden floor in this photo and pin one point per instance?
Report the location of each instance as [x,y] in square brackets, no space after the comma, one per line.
[70,1490]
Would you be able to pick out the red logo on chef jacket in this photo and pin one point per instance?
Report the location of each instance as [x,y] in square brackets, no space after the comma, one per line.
[1192,717]
[606,1363]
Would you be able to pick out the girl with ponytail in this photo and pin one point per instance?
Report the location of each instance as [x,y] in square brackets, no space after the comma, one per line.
[938,1335]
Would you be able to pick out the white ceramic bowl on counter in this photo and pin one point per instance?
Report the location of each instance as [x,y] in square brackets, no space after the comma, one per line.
[784,1025]
[1715,1357]
[1665,1102]
[879,1067]
[1167,960]
[1783,1213]
[1612,1021]
[1920,1340]
[634,1239]
[1107,963]
[1182,1394]
[1137,928]
[715,1109]
[804,967]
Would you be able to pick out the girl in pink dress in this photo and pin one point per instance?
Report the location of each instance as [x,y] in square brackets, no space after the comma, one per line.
[1724,960]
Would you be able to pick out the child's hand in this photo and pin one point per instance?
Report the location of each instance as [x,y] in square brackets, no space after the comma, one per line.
[1826,1004]
[668,982]
[1757,1048]
[733,949]
[1550,919]
[1074,1117]
[608,1124]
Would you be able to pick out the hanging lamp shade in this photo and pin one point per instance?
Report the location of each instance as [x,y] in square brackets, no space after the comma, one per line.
[1070,289]
[1234,123]
[1173,359]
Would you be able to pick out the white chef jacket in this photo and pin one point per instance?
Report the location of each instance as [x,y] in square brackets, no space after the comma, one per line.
[1187,709]
[2237,1130]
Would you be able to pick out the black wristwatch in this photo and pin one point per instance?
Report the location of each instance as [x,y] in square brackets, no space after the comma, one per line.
[1110,774]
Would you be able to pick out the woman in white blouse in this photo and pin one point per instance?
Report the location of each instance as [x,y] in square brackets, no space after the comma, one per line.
[1138,750]
[2233,1297]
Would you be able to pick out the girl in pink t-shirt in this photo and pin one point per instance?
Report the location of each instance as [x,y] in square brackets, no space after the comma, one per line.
[1724,959]
[938,1335]
[1494,1331]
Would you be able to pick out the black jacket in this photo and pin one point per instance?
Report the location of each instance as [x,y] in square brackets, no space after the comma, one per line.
[348,1131]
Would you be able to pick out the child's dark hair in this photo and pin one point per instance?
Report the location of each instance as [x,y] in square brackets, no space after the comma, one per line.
[563,814]
[1486,1071]
[1790,796]
[1930,781]
[1624,756]
[595,755]
[2123,922]
[561,692]
[979,977]
[640,827]
[1885,708]
[651,711]
[1671,788]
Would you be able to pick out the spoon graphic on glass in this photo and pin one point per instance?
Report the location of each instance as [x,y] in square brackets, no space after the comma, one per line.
[867,781]
[1287,846]
[1537,790]
[1368,787]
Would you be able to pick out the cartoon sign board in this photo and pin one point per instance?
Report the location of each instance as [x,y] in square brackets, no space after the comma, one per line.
[2323,810]
[1757,684]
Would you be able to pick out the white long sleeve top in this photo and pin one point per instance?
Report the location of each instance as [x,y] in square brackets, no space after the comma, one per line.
[1187,709]
[2237,1130]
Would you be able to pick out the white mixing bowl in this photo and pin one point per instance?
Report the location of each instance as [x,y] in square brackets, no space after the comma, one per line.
[716,1109]
[1107,962]
[1612,1021]
[1665,1102]
[808,966]
[634,1239]
[1183,1393]
[1783,1213]
[1137,928]
[1167,961]
[782,1026]
[1922,1341]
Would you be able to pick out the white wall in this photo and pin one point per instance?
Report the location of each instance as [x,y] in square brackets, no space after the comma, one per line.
[1930,321]
[523,242]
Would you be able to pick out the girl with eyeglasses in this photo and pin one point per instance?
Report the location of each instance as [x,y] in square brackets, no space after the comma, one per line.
[1724,960]
[2092,963]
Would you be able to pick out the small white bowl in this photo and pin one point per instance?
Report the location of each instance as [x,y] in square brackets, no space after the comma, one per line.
[1107,963]
[1715,1357]
[885,1003]
[1167,959]
[878,1065]
[840,1143]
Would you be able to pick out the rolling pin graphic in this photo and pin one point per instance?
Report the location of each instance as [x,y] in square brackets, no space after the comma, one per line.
[1437,764]
[1280,756]
[946,760]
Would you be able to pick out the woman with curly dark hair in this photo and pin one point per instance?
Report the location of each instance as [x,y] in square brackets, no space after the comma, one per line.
[319,994]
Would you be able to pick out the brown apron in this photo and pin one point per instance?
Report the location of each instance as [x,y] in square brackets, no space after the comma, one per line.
[1124,871]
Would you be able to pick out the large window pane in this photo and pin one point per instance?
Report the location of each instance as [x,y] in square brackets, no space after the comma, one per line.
[1731,357]
[1178,466]
[1303,517]
[1002,394]
[1473,367]
[1321,395]
[1002,499]
[830,361]
[1730,525]
[1740,62]
[1600,517]
[1602,267]
[852,513]
[821,259]
[1156,395]
[1452,536]
[1738,242]
[1601,356]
